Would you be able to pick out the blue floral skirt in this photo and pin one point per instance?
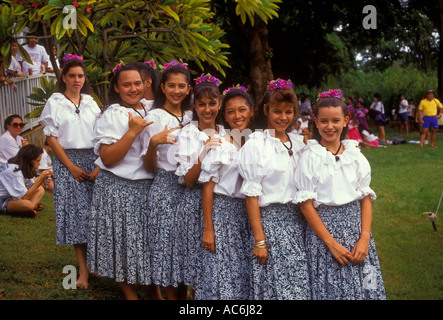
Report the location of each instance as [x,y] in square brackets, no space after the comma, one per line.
[285,274]
[164,230]
[190,212]
[72,199]
[115,244]
[332,281]
[226,274]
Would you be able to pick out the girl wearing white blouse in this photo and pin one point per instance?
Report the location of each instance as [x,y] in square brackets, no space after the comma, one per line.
[161,226]
[267,164]
[195,141]
[20,190]
[68,118]
[120,194]
[226,258]
[333,180]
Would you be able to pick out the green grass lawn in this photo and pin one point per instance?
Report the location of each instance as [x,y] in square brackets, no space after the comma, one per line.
[406,179]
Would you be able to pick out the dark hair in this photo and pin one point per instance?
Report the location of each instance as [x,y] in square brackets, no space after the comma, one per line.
[66,67]
[148,72]
[24,159]
[233,93]
[11,118]
[377,96]
[207,90]
[330,102]
[160,98]
[276,96]
[113,96]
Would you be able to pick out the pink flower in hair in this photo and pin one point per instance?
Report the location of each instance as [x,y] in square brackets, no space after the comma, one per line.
[151,63]
[279,84]
[333,93]
[239,87]
[118,67]
[207,78]
[174,63]
[70,56]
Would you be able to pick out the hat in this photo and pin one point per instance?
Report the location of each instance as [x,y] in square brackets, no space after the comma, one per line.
[430,91]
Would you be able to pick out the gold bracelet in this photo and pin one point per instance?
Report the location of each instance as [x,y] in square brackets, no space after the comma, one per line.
[260,244]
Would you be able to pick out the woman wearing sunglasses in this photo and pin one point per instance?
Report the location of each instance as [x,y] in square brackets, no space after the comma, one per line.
[11,141]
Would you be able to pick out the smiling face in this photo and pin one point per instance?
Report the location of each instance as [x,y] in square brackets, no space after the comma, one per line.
[74,79]
[16,127]
[207,109]
[330,122]
[130,87]
[279,117]
[175,89]
[238,113]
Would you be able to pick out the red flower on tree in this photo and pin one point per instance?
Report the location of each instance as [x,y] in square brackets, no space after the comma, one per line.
[88,9]
[34,5]
[75,4]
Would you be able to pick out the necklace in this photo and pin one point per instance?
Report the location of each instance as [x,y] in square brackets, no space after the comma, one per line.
[334,154]
[77,107]
[146,113]
[290,147]
[179,121]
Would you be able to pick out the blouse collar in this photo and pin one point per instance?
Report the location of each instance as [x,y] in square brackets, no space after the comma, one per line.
[349,155]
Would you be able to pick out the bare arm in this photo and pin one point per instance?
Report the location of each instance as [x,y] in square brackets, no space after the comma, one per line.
[361,248]
[255,220]
[208,240]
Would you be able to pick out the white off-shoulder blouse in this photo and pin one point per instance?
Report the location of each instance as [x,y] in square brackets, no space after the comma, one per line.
[73,130]
[221,166]
[267,168]
[166,159]
[112,124]
[319,176]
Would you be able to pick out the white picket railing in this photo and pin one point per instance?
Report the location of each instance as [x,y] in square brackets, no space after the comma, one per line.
[16,101]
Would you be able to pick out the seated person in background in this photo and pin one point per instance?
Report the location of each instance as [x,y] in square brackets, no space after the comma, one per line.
[11,141]
[17,196]
[46,164]
[353,133]
[369,139]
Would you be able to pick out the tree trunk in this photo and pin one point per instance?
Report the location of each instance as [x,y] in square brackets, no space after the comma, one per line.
[260,66]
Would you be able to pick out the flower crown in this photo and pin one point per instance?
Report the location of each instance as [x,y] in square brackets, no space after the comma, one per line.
[207,79]
[151,64]
[279,84]
[238,87]
[70,56]
[334,93]
[175,63]
[118,67]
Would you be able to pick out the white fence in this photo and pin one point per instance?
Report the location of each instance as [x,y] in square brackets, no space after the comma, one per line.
[17,101]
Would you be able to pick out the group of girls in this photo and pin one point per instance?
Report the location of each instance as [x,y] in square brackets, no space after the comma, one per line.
[180,192]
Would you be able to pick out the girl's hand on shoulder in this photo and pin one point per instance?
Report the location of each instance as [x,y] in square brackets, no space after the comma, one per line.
[208,241]
[137,124]
[164,137]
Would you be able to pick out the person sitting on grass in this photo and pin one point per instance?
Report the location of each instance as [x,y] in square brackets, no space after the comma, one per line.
[20,193]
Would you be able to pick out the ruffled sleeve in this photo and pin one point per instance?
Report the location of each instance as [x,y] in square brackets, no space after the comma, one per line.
[111,125]
[214,160]
[48,117]
[252,167]
[364,178]
[305,173]
[188,149]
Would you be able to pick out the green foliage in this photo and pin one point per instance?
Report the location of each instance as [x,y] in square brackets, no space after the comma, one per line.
[40,96]
[389,84]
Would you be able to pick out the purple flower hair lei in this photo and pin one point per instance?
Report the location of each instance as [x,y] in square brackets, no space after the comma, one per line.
[71,56]
[151,64]
[175,63]
[239,87]
[279,84]
[207,78]
[333,93]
